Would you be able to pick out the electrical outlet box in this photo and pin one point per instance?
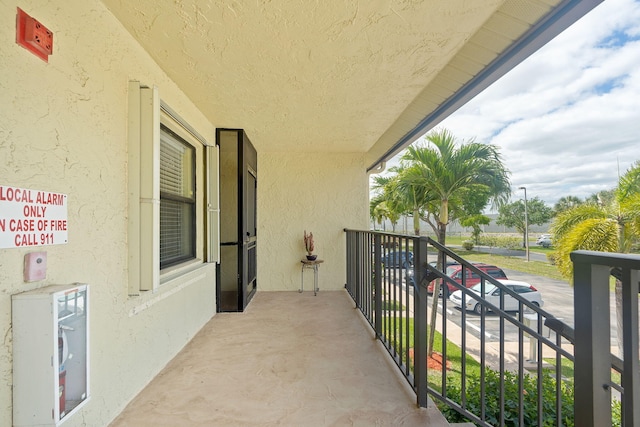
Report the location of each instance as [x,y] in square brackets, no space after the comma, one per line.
[33,36]
[35,266]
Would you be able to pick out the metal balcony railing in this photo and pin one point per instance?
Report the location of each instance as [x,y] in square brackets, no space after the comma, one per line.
[522,375]
[598,387]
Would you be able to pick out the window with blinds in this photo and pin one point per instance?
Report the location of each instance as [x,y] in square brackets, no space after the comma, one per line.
[177,199]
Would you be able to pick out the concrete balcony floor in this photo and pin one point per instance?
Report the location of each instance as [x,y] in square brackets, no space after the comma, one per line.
[290,359]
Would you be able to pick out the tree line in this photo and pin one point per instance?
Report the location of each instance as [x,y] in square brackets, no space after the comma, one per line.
[440,180]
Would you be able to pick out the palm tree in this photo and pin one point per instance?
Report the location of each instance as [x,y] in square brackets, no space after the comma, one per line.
[398,197]
[389,202]
[411,195]
[449,172]
[602,197]
[599,226]
[378,209]
[566,202]
[443,175]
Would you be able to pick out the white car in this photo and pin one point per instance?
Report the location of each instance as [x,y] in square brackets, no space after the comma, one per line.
[492,295]
[544,240]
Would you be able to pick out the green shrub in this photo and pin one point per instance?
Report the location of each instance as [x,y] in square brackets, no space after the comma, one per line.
[491,241]
[509,242]
[467,245]
[511,393]
[616,413]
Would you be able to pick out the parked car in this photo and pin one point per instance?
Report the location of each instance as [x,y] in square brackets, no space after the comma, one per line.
[492,295]
[398,259]
[472,278]
[409,271]
[544,240]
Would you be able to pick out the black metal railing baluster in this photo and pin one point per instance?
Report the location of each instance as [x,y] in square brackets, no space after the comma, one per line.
[501,368]
[377,286]
[420,330]
[521,368]
[559,379]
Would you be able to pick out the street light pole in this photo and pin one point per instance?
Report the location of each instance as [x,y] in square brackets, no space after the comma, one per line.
[526,224]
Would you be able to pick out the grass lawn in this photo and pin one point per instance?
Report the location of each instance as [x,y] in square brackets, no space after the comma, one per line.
[541,250]
[392,305]
[513,263]
[566,369]
[454,356]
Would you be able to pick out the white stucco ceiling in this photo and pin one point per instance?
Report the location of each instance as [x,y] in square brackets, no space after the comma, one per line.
[330,75]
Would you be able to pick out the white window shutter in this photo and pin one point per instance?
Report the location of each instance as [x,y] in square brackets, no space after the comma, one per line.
[149,188]
[213,204]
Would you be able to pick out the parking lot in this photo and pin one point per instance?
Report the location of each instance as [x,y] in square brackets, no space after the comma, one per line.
[558,300]
[556,294]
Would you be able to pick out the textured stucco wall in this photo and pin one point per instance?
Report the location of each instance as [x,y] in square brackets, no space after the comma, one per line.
[318,192]
[63,128]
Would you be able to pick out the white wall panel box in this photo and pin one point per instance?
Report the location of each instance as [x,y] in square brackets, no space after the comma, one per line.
[50,354]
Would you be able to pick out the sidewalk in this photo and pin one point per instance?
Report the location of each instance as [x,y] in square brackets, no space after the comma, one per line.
[492,349]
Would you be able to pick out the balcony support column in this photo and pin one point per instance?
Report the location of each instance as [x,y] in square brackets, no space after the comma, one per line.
[631,377]
[592,405]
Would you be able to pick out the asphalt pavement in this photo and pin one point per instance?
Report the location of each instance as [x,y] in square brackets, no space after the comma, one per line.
[558,301]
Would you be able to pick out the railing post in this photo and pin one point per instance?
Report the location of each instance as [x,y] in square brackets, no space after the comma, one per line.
[357,257]
[592,404]
[350,263]
[377,283]
[631,377]
[420,321]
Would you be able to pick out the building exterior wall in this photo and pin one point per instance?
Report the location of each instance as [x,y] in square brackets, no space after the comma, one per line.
[63,129]
[323,193]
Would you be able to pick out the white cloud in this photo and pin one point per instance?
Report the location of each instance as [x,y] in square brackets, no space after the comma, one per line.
[568,118]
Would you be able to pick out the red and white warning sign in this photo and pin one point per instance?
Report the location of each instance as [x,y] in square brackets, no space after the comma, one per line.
[32,217]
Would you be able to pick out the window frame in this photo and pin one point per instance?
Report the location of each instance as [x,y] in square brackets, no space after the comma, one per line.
[147,113]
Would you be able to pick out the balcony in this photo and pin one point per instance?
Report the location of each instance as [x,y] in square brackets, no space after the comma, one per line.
[299,359]
[290,359]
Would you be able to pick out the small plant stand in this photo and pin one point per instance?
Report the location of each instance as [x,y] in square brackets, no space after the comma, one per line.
[314,266]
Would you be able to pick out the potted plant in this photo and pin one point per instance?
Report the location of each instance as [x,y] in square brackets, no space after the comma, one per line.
[309,245]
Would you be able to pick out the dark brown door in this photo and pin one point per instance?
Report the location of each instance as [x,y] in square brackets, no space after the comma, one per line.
[237,273]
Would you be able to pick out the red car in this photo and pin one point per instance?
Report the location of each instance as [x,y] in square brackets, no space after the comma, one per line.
[472,278]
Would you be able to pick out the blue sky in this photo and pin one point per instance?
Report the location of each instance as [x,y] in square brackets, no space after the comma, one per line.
[568,118]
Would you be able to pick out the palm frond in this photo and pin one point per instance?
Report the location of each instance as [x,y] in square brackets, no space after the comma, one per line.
[594,234]
[568,219]
[629,182]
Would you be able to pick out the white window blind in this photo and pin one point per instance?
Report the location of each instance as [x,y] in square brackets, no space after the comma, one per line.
[177,201]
